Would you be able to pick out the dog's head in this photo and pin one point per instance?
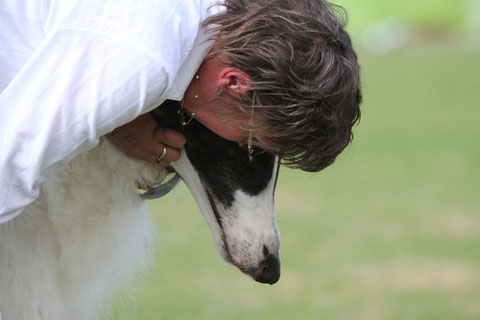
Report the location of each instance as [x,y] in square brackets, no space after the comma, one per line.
[235,195]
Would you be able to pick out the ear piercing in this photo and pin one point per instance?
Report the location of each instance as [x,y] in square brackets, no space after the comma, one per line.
[220,91]
[250,131]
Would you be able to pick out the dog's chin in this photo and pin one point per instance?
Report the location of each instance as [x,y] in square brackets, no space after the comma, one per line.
[264,270]
[225,254]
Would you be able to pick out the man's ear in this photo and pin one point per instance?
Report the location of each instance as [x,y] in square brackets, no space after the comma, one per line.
[234,80]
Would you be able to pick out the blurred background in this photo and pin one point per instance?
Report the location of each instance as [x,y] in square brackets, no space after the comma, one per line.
[392,229]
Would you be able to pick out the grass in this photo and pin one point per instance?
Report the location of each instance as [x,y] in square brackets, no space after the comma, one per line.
[419,13]
[390,231]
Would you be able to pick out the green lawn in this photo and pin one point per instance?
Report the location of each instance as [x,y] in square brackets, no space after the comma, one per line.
[390,231]
[420,13]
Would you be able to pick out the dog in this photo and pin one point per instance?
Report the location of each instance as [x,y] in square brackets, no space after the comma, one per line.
[90,231]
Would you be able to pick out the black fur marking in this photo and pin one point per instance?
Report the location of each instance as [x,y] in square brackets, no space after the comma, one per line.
[222,165]
[228,255]
[276,179]
[265,251]
[215,211]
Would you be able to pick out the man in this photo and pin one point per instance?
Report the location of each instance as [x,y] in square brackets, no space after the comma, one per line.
[280,73]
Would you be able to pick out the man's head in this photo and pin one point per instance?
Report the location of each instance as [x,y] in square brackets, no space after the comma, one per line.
[297,58]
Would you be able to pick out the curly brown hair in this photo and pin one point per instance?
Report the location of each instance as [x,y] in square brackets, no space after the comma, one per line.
[303,70]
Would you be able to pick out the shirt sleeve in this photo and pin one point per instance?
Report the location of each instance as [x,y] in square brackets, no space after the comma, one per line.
[77,86]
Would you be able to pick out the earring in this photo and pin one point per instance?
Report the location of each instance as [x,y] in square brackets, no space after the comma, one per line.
[181,112]
[220,91]
[250,132]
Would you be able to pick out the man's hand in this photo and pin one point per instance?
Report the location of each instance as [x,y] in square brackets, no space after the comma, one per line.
[141,139]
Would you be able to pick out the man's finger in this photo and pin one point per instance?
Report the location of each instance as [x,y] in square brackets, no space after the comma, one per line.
[173,154]
[170,138]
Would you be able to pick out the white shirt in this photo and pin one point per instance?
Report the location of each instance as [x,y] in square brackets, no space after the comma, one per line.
[73,70]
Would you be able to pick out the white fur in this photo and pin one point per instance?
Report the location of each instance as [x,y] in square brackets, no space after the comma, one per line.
[89,232]
[247,226]
[85,235]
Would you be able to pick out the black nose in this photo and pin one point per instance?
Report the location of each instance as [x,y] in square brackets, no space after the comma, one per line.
[268,271]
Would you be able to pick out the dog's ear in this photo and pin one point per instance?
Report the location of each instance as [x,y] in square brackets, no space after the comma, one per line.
[166,115]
